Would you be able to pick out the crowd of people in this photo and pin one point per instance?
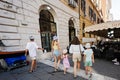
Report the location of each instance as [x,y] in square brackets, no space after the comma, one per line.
[109,50]
[87,52]
[76,49]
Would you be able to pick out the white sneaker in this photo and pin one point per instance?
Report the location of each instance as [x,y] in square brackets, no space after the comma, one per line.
[114,60]
[117,63]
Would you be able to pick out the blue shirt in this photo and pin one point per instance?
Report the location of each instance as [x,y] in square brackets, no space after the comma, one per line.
[88,53]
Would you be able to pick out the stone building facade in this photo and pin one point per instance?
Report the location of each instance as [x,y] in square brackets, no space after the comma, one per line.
[93,12]
[89,15]
[42,19]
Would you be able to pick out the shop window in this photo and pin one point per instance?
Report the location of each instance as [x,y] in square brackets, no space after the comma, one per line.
[94,17]
[47,29]
[71,30]
[91,14]
[83,7]
[72,3]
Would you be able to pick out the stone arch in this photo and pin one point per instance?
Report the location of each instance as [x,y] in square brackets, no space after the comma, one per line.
[50,9]
[72,29]
[48,27]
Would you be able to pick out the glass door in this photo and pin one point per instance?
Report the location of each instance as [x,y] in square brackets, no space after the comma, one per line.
[46,40]
[71,34]
[47,29]
[71,30]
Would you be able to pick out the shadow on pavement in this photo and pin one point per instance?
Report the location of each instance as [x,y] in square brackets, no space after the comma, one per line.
[106,68]
[43,72]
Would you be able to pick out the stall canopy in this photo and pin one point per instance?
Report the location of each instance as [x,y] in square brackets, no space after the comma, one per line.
[103,29]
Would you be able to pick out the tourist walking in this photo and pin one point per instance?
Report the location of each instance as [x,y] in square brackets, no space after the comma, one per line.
[31,49]
[76,50]
[56,52]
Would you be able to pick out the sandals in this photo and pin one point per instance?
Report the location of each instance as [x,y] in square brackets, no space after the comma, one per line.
[75,77]
[90,75]
[30,71]
[56,69]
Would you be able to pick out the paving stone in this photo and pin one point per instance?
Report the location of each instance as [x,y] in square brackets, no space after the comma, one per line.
[102,70]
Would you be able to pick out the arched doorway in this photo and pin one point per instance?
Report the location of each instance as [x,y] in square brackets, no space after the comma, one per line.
[71,30]
[47,28]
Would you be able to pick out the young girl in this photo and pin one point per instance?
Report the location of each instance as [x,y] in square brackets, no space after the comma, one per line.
[65,60]
[88,59]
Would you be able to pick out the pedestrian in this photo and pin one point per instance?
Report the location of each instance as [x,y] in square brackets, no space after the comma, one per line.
[31,49]
[66,63]
[76,49]
[116,55]
[88,59]
[93,46]
[56,52]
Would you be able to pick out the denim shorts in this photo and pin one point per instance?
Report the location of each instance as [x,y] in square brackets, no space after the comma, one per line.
[56,53]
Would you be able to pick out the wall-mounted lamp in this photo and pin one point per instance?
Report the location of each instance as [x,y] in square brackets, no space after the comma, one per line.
[48,7]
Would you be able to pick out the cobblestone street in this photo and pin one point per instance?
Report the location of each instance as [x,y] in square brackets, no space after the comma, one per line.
[49,30]
[102,70]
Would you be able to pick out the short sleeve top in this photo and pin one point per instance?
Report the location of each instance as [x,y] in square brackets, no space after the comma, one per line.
[88,53]
[32,46]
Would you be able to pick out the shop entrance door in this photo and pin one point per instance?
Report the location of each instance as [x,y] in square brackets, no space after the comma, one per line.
[47,29]
[46,40]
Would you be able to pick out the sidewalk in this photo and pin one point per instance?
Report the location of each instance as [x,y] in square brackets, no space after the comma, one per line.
[81,73]
[45,71]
